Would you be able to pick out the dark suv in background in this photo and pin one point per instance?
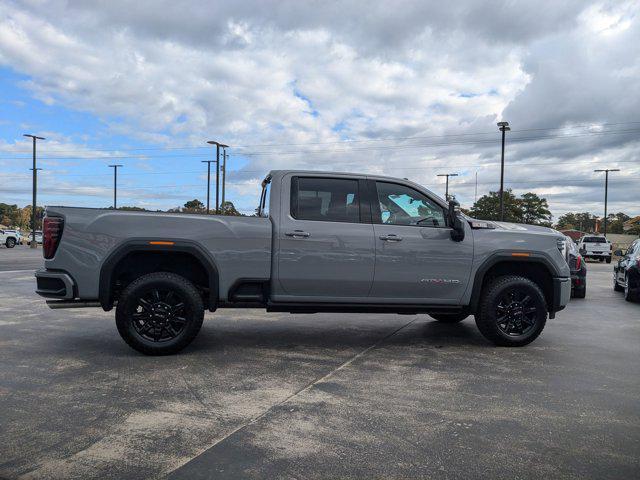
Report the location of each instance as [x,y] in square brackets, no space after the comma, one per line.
[578,268]
[626,274]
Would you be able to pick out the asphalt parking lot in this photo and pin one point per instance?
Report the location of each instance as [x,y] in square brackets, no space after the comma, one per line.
[317,396]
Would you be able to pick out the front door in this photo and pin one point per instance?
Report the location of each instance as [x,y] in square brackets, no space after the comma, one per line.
[416,260]
[326,250]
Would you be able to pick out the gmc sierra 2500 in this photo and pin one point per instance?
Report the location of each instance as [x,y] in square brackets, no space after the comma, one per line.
[321,242]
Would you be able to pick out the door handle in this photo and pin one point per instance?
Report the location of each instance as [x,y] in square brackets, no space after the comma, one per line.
[392,237]
[298,234]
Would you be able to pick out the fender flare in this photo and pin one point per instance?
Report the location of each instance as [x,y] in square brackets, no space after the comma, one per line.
[540,258]
[105,294]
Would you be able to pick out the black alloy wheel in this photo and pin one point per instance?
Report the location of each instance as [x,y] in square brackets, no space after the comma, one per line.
[159,315]
[512,312]
[516,313]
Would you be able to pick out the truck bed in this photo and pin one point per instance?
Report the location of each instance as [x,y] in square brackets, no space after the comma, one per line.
[240,247]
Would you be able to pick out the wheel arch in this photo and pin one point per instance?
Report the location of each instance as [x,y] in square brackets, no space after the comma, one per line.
[114,261]
[536,267]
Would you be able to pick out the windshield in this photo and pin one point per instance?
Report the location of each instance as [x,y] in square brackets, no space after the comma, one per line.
[594,240]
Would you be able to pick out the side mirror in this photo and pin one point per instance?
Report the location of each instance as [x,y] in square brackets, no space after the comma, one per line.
[457,232]
[618,253]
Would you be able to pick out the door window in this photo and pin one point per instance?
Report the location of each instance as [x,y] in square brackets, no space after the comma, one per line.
[402,205]
[325,199]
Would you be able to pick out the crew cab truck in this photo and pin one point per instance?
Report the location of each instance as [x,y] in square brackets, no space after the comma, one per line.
[321,242]
[596,247]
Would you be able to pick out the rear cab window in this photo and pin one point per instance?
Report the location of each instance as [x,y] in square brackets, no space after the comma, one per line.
[325,199]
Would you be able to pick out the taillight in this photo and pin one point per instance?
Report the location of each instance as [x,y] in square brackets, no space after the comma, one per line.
[51,234]
[578,262]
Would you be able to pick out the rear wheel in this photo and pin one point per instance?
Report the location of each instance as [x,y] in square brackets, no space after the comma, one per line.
[10,243]
[608,259]
[159,313]
[513,311]
[449,317]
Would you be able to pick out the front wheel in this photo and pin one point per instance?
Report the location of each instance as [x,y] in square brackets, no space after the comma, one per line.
[513,311]
[159,313]
[616,285]
[629,295]
[10,243]
[449,317]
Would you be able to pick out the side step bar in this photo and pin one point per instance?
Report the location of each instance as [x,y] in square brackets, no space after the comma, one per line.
[71,304]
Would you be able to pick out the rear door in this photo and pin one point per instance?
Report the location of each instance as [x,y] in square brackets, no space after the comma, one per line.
[416,259]
[325,247]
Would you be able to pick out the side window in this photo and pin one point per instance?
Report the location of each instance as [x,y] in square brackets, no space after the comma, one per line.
[325,199]
[401,205]
[634,245]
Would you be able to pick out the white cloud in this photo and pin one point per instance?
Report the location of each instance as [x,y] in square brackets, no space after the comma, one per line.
[286,73]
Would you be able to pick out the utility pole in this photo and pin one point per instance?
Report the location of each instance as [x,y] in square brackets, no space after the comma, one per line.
[34,243]
[606,192]
[115,185]
[503,127]
[217,161]
[224,173]
[446,192]
[208,162]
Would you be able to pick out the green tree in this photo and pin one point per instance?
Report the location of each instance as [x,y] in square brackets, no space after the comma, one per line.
[584,222]
[535,209]
[227,208]
[488,207]
[615,222]
[193,206]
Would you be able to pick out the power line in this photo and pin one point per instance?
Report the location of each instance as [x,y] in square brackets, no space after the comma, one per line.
[552,162]
[346,141]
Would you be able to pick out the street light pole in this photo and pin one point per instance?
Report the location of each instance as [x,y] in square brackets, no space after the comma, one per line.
[224,173]
[217,161]
[34,243]
[503,127]
[208,162]
[606,192]
[115,185]
[446,193]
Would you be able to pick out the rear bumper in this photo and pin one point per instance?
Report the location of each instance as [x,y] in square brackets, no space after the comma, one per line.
[55,284]
[561,294]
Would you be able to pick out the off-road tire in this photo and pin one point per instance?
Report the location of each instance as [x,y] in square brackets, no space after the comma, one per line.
[492,296]
[129,303]
[449,317]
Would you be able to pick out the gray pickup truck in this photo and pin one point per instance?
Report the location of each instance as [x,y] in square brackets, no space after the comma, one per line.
[320,242]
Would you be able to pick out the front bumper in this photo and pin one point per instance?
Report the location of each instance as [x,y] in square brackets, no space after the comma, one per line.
[55,284]
[561,294]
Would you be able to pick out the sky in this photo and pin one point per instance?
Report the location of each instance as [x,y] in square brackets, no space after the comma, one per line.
[408,89]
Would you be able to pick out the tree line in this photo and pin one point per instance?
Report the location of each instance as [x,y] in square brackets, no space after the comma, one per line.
[532,209]
[20,217]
